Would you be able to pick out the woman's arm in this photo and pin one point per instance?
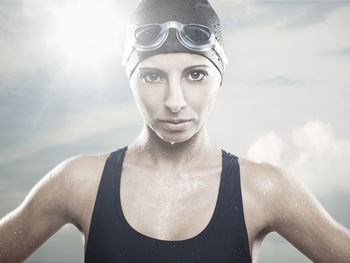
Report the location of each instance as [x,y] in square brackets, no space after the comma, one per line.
[300,218]
[42,213]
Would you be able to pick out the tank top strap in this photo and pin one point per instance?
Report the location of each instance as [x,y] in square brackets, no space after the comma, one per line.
[115,164]
[231,211]
[104,213]
[232,186]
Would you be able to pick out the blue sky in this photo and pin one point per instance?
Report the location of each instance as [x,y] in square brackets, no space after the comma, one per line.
[285,98]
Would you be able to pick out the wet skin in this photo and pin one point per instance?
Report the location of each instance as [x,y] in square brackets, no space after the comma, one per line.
[178,182]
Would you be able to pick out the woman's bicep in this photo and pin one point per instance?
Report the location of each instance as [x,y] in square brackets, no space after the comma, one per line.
[301,219]
[39,216]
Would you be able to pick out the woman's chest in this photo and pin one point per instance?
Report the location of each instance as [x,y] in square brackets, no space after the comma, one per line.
[169,206]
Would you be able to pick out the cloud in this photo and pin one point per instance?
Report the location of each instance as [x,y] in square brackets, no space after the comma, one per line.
[69,34]
[267,148]
[282,14]
[263,57]
[79,126]
[315,138]
[323,159]
[3,185]
[312,153]
[339,52]
[279,81]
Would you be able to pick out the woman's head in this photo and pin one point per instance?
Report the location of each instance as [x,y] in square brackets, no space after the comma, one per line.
[175,62]
[190,26]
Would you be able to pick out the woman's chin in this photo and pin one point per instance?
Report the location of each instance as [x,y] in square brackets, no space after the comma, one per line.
[175,137]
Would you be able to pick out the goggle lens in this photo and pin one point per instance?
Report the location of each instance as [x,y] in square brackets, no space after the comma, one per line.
[197,34]
[148,35]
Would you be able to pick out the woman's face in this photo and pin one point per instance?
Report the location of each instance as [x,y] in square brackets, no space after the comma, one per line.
[173,87]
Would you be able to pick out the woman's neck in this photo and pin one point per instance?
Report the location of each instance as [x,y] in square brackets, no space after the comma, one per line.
[153,150]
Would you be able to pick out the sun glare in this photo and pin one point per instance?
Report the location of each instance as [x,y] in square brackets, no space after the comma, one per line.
[86,33]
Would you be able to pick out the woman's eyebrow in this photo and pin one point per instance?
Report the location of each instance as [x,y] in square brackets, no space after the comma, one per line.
[150,69]
[162,71]
[196,66]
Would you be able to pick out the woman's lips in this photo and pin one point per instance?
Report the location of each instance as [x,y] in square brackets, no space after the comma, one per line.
[180,126]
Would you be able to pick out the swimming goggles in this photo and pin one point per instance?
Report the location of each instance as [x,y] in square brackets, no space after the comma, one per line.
[195,37]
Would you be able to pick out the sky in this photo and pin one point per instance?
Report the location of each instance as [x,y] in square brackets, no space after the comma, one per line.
[285,97]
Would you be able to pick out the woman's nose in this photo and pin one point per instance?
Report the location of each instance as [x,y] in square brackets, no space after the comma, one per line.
[175,98]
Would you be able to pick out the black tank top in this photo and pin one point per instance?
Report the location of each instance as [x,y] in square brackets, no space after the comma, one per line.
[112,239]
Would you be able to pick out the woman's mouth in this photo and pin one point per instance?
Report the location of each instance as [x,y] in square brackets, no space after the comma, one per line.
[175,126]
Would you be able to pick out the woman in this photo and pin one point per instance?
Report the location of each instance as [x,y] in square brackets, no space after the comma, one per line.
[172,195]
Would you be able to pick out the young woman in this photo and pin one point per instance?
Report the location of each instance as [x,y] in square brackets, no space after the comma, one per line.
[172,195]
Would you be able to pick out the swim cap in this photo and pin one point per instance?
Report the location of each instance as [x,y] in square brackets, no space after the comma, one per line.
[161,11]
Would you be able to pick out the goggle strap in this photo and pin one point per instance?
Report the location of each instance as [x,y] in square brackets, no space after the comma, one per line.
[221,52]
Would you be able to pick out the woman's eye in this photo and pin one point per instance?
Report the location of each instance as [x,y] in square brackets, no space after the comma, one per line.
[151,77]
[197,75]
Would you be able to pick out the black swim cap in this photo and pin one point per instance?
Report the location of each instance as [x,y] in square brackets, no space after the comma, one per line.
[161,11]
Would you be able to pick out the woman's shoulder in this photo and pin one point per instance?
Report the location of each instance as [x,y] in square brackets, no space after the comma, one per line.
[78,164]
[265,187]
[79,169]
[263,176]
[82,170]
[271,189]
[78,177]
